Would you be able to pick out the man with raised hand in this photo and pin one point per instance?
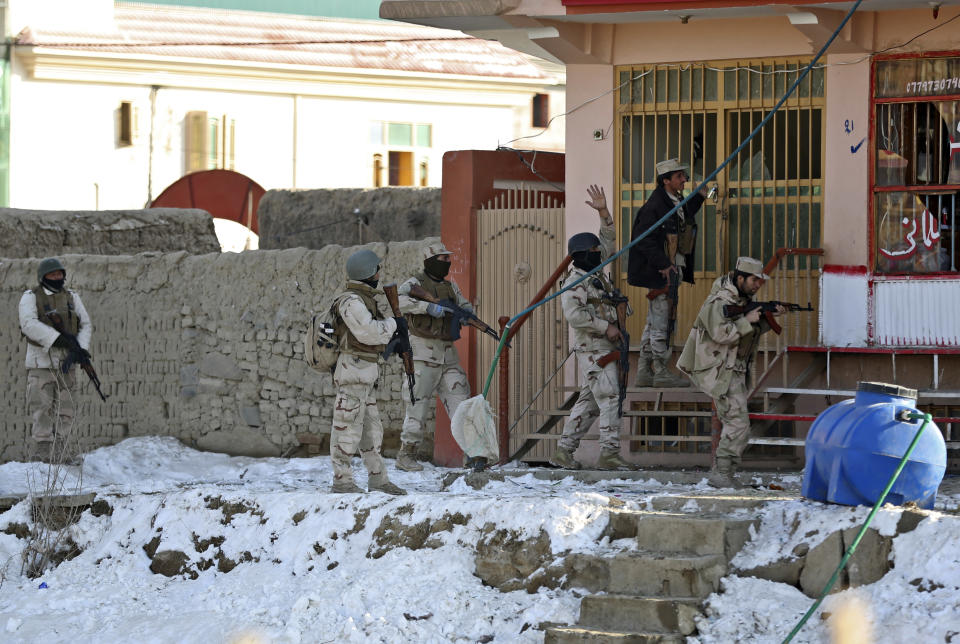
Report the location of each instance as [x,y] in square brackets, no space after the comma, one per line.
[594,322]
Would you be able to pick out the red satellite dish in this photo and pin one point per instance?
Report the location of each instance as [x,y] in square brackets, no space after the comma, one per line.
[225,194]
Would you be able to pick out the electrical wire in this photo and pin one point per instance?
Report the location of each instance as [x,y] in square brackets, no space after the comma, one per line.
[796,83]
[685,66]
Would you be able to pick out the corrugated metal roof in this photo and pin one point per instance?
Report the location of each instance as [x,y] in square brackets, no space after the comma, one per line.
[218,34]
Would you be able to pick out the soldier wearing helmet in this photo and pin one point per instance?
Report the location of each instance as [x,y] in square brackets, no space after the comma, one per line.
[435,359]
[363,334]
[595,331]
[50,390]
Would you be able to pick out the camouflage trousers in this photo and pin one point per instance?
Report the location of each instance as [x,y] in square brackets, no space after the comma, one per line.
[598,399]
[50,403]
[653,342]
[732,412]
[356,424]
[448,381]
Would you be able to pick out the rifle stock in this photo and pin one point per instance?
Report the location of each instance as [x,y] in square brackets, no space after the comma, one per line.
[402,339]
[74,355]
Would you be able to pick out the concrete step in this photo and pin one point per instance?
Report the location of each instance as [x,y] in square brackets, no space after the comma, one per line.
[643,614]
[580,635]
[647,574]
[672,532]
[707,504]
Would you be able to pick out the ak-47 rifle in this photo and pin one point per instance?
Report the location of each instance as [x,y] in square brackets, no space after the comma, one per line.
[400,342]
[458,314]
[672,290]
[622,354]
[767,308]
[75,353]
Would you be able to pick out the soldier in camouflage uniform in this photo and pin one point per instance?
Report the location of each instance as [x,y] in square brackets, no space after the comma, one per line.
[50,391]
[594,324]
[436,363]
[717,357]
[363,333]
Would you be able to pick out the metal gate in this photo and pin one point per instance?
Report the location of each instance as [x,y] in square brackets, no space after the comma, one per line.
[770,197]
[521,241]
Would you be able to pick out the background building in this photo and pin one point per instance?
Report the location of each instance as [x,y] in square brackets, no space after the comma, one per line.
[106,104]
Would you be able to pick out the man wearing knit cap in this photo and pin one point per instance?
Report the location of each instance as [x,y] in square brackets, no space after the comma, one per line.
[663,257]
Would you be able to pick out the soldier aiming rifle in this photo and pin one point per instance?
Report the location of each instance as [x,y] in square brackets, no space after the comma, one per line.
[457,316]
[767,310]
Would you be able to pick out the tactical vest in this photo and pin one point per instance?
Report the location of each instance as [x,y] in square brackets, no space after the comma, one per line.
[349,342]
[686,233]
[427,326]
[61,303]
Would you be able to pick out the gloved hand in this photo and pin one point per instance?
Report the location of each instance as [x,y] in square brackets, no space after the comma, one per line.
[69,342]
[437,311]
[401,324]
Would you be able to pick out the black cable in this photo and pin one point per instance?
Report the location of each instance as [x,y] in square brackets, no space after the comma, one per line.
[922,33]
[530,166]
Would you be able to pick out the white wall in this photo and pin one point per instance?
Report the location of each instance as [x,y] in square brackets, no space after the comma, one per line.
[64,152]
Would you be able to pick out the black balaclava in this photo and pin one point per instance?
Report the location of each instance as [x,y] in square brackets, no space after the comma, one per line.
[54,285]
[372,281]
[436,268]
[587,260]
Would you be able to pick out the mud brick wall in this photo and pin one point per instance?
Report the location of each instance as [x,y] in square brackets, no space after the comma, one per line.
[44,233]
[207,348]
[347,216]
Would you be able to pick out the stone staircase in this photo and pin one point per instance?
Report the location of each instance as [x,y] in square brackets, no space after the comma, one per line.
[651,594]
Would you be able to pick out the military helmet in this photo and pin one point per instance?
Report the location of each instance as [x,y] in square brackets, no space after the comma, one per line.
[582,242]
[362,264]
[434,249]
[49,265]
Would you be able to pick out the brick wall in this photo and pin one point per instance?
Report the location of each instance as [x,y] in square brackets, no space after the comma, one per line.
[207,348]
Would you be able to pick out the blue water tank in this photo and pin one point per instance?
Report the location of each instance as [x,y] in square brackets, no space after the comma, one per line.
[854,447]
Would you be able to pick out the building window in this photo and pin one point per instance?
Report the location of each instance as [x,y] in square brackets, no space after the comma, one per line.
[916,167]
[377,170]
[541,110]
[419,135]
[210,142]
[127,126]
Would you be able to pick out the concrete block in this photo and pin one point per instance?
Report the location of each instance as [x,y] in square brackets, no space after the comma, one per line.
[819,565]
[632,614]
[871,560]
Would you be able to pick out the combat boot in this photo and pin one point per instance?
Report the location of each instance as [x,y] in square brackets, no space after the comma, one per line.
[610,460]
[346,486]
[663,377]
[722,475]
[644,377]
[382,484]
[563,458]
[407,458]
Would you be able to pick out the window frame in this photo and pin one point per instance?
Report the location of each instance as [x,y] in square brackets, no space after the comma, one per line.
[873,189]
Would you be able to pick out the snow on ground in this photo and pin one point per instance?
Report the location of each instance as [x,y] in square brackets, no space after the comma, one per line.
[312,566]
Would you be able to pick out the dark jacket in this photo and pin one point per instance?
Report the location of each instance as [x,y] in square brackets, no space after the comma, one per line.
[649,256]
